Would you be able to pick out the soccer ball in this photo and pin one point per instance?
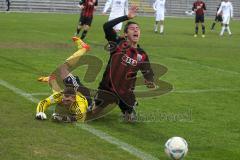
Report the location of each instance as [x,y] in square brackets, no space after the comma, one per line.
[176,148]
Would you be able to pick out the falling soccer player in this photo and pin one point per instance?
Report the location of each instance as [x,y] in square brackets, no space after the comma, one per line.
[218,18]
[159,7]
[118,8]
[226,9]
[199,8]
[86,17]
[62,76]
[126,59]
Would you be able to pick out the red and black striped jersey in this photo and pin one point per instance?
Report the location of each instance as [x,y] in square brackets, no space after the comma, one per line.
[199,7]
[88,9]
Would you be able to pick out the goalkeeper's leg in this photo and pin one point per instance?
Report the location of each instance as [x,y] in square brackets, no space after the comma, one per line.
[72,60]
[71,63]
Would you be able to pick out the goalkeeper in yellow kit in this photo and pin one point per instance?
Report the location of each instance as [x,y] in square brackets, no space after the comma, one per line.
[71,104]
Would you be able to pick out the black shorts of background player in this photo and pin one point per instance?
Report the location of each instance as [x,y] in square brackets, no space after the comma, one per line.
[218,18]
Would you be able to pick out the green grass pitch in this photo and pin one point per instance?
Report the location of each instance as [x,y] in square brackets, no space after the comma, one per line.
[204,72]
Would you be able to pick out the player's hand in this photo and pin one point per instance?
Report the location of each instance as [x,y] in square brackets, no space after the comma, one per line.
[41,116]
[132,12]
[81,6]
[90,3]
[151,85]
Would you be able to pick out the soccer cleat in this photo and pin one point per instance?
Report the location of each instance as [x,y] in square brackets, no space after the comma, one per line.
[203,36]
[80,44]
[43,79]
[130,116]
[195,35]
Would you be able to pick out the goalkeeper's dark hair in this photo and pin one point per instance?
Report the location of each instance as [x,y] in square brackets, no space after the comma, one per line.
[128,24]
[69,90]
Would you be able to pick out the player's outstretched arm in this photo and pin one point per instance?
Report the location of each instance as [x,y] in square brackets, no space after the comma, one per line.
[148,74]
[44,104]
[110,34]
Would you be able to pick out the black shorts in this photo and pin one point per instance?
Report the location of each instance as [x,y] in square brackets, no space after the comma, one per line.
[85,20]
[218,18]
[105,98]
[199,19]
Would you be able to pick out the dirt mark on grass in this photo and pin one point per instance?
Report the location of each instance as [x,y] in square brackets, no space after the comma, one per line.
[33,45]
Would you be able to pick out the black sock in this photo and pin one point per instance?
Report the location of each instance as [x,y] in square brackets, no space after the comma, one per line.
[8,5]
[203,29]
[196,30]
[84,34]
[78,30]
[213,25]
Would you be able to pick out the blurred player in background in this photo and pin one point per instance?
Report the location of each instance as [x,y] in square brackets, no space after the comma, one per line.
[199,8]
[8,5]
[118,8]
[159,7]
[71,106]
[218,18]
[126,59]
[226,9]
[86,17]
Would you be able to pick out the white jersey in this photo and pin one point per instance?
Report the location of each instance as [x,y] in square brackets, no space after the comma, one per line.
[159,6]
[226,8]
[118,8]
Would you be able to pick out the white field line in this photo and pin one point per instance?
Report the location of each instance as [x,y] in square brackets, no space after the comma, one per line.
[208,67]
[174,91]
[206,90]
[39,94]
[104,136]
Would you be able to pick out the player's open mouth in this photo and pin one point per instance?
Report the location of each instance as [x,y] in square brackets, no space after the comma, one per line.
[135,35]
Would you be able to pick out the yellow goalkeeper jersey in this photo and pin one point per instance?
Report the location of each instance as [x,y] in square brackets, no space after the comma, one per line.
[77,109]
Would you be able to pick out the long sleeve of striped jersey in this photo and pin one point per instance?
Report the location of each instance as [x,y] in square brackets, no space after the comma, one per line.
[43,105]
[110,33]
[146,70]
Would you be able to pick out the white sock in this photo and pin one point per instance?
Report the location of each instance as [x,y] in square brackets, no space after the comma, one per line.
[161,28]
[228,29]
[155,27]
[222,31]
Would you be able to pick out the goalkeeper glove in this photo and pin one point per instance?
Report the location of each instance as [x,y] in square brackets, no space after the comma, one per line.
[41,116]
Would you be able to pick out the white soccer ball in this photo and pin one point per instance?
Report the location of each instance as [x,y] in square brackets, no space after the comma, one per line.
[176,148]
